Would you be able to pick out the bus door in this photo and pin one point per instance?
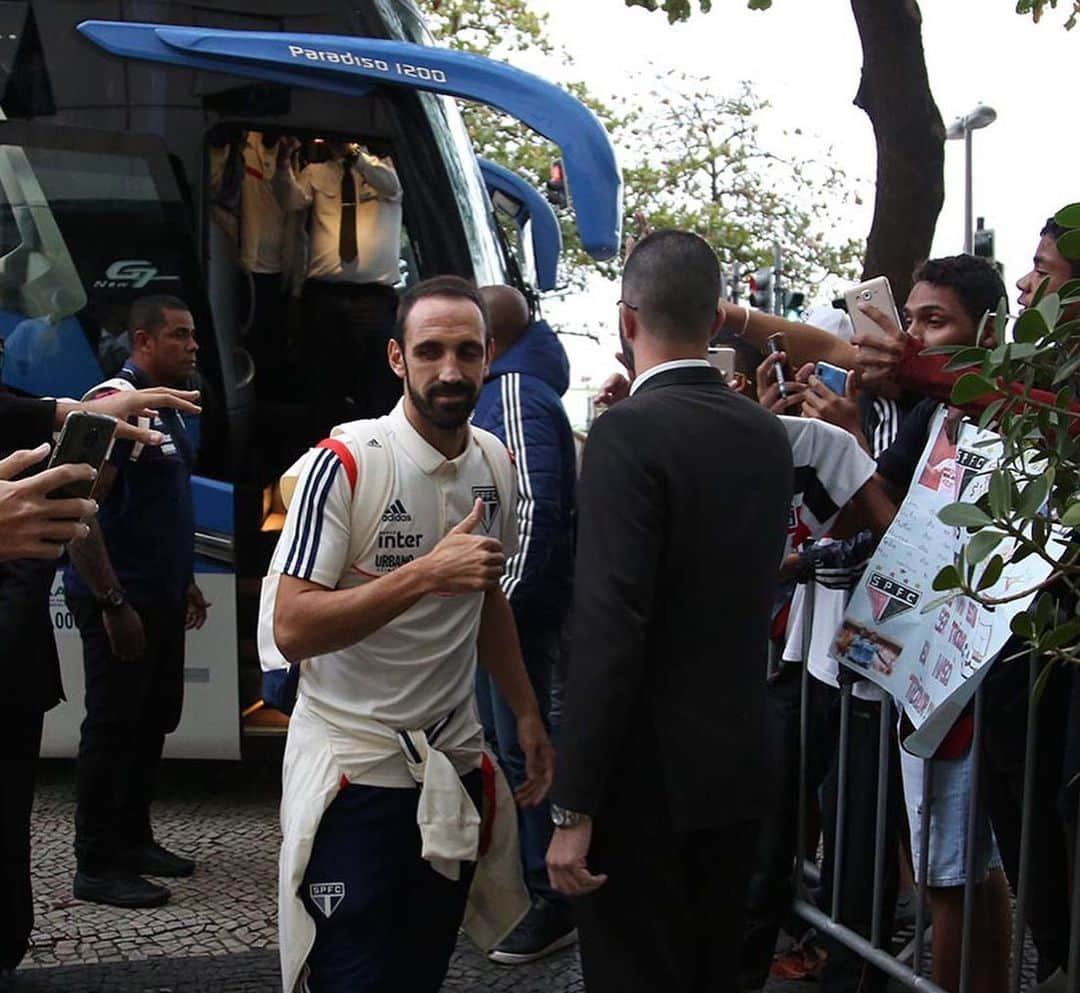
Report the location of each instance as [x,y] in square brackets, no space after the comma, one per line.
[351,64]
[89,221]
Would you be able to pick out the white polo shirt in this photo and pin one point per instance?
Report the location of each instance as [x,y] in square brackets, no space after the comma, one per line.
[418,668]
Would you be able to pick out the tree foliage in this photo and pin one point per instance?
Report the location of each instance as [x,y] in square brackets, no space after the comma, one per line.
[680,10]
[692,157]
[705,167]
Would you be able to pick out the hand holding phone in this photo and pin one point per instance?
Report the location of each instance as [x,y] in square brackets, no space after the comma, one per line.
[874,294]
[784,375]
[833,377]
[84,440]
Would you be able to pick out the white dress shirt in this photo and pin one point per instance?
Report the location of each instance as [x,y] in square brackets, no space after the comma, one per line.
[262,221]
[667,367]
[378,218]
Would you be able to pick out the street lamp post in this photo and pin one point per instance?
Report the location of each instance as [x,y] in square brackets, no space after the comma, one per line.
[981,117]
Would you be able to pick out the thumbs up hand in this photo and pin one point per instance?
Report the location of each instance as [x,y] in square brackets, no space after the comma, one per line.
[464,562]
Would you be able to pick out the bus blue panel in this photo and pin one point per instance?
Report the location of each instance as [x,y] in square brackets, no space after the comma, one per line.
[213,505]
[546,235]
[139,41]
[343,64]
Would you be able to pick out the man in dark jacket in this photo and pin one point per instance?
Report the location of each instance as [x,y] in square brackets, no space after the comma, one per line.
[664,768]
[520,403]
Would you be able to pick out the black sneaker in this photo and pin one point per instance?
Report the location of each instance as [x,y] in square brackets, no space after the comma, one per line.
[153,860]
[119,888]
[544,929]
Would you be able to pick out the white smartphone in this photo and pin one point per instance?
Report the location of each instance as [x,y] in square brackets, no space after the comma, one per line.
[877,293]
[723,360]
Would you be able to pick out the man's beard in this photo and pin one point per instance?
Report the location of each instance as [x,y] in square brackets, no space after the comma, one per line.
[445,417]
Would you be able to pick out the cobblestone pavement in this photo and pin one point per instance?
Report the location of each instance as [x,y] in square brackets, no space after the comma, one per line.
[218,933]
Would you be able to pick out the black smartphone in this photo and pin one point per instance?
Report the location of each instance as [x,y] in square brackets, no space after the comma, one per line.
[85,439]
[775,343]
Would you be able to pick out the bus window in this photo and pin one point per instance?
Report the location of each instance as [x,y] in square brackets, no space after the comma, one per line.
[84,232]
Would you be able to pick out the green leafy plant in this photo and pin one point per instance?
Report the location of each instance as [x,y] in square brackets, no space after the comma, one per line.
[1035,490]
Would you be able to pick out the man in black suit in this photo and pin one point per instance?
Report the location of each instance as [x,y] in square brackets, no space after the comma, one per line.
[664,768]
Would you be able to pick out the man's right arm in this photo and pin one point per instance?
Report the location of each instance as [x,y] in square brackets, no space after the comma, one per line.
[804,343]
[311,616]
[291,193]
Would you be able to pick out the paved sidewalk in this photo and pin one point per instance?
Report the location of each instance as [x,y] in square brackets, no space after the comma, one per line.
[218,934]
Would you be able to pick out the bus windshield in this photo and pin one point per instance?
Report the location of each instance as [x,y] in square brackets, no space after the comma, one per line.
[452,137]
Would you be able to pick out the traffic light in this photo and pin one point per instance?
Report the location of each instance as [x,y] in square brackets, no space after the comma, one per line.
[556,184]
[793,304]
[983,241]
[761,289]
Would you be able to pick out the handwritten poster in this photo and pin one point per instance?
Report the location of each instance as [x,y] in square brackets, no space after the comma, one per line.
[931,654]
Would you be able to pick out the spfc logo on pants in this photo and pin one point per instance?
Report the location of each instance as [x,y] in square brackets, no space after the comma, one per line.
[327,896]
[490,496]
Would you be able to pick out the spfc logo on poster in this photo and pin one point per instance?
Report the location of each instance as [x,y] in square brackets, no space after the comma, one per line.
[490,496]
[889,597]
[326,896]
[970,465]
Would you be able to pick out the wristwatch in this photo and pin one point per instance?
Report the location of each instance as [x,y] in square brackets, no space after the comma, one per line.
[112,599]
[563,818]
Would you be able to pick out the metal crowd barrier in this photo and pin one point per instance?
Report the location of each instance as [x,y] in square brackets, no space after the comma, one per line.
[876,950]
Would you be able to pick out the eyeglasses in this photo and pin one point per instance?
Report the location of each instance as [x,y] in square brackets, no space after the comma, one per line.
[628,306]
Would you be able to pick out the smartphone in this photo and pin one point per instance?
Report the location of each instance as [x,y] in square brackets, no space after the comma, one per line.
[776,343]
[877,293]
[723,360]
[833,377]
[85,438]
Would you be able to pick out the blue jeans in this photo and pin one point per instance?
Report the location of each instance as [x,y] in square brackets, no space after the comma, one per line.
[540,648]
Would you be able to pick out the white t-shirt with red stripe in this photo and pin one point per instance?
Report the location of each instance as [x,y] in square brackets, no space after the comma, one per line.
[830,468]
[421,666]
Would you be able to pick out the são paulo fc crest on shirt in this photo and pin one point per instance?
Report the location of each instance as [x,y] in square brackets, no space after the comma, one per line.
[889,597]
[326,896]
[490,496]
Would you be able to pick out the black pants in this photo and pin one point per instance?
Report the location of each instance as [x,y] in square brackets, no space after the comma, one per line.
[1004,737]
[344,339]
[267,339]
[385,920]
[670,916]
[130,707]
[20,741]
[770,890]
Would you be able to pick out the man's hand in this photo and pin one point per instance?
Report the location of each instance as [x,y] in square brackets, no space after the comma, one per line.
[125,630]
[464,562]
[768,389]
[197,605]
[878,355]
[615,388]
[135,403]
[843,411]
[539,761]
[31,525]
[567,869]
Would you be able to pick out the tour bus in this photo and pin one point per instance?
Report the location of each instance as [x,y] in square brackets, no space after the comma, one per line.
[111,152]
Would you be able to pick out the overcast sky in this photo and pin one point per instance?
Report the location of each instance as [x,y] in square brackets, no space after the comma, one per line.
[804,56]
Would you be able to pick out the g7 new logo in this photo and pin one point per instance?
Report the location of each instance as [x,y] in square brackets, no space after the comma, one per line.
[133,273]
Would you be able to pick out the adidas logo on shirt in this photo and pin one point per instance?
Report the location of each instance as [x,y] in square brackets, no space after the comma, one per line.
[397,513]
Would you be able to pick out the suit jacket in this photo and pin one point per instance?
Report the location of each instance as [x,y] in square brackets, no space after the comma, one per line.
[683,506]
[29,667]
